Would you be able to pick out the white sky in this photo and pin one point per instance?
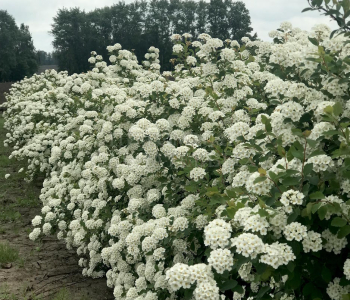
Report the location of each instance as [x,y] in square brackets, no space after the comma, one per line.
[266,15]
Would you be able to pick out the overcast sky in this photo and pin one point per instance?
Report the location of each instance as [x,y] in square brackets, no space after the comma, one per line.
[266,15]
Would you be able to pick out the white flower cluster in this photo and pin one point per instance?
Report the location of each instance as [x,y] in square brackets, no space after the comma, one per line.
[217,234]
[335,291]
[333,243]
[249,245]
[347,269]
[295,231]
[221,260]
[277,254]
[321,162]
[292,197]
[197,173]
[312,242]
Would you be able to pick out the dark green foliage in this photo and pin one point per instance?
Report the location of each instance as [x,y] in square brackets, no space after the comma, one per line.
[44,58]
[17,53]
[142,24]
[71,32]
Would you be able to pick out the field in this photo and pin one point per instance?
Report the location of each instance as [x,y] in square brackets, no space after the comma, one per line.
[34,270]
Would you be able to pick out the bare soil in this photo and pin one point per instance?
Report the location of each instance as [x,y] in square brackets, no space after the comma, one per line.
[4,88]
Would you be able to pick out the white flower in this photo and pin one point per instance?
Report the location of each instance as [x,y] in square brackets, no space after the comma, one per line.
[34,234]
[347,269]
[217,234]
[221,260]
[295,231]
[178,48]
[249,245]
[292,197]
[197,174]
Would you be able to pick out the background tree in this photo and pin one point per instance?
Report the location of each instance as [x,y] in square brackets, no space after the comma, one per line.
[217,19]
[142,24]
[26,63]
[72,43]
[238,19]
[44,58]
[17,52]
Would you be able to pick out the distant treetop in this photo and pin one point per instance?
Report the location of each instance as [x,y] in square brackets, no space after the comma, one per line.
[17,52]
[140,24]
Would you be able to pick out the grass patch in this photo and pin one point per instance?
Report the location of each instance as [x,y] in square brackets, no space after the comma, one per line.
[5,293]
[7,253]
[63,294]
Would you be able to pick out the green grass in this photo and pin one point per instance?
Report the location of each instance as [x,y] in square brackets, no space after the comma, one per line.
[7,253]
[63,294]
[5,293]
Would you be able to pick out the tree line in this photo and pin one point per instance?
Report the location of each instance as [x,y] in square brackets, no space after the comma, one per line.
[17,52]
[141,24]
[137,26]
[46,58]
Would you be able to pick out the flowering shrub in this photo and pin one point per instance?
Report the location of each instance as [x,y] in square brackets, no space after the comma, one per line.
[227,178]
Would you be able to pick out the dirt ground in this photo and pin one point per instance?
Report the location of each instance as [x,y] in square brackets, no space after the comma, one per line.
[4,88]
[42,270]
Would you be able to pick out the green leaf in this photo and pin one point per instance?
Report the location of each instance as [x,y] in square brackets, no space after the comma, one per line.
[191,188]
[260,179]
[281,151]
[273,176]
[267,274]
[231,211]
[315,207]
[268,126]
[316,2]
[231,193]
[297,131]
[326,274]
[316,152]
[262,291]
[338,222]
[313,41]
[308,169]
[322,212]
[244,161]
[337,109]
[331,133]
[346,297]
[267,123]
[263,213]
[306,9]
[328,109]
[294,282]
[343,232]
[308,288]
[228,285]
[292,217]
[317,195]
[309,207]
[188,294]
[238,289]
[297,153]
[291,181]
[291,266]
[334,208]
[312,143]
